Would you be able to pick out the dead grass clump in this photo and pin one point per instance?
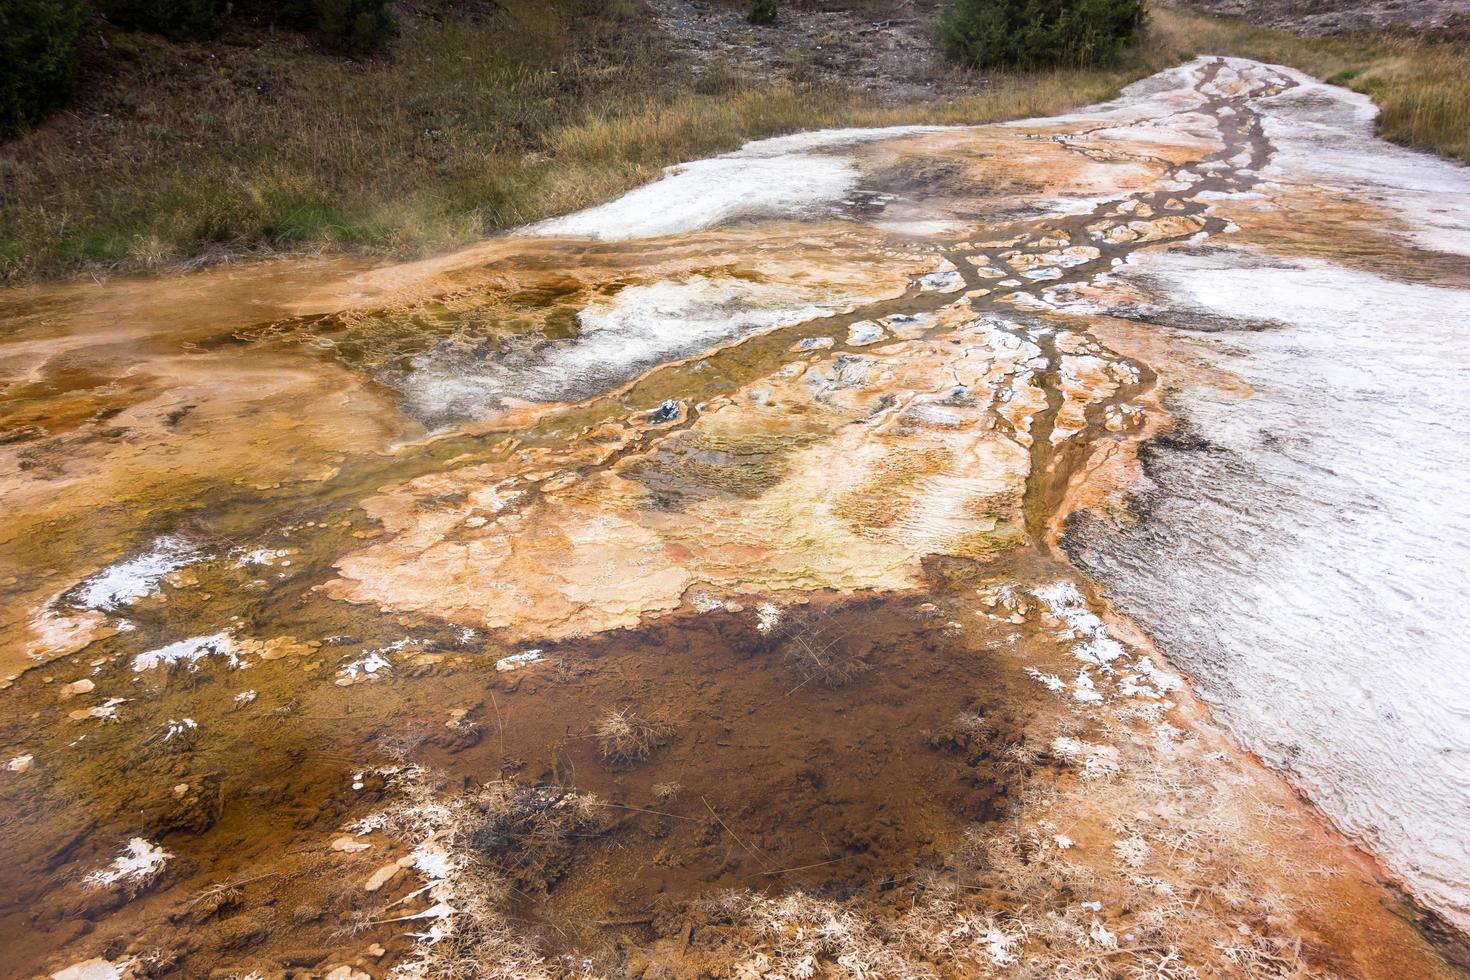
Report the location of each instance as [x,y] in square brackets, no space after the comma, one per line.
[954,932]
[820,650]
[798,935]
[529,832]
[626,739]
[177,736]
[476,851]
[994,742]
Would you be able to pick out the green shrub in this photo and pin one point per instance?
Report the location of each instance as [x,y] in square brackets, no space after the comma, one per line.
[355,27]
[299,15]
[38,59]
[1039,33]
[180,20]
[762,12]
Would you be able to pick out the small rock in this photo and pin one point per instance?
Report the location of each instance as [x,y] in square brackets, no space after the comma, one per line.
[863,332]
[96,969]
[517,661]
[83,686]
[382,876]
[665,413]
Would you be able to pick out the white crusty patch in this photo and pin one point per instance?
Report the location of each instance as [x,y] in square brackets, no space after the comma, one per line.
[1051,682]
[179,729]
[367,667]
[863,332]
[97,969]
[767,617]
[517,660]
[140,861]
[126,581]
[190,652]
[106,711]
[1064,602]
[787,177]
[1095,761]
[263,556]
[619,337]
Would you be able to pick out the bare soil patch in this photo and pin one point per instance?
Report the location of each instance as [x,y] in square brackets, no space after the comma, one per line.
[1436,19]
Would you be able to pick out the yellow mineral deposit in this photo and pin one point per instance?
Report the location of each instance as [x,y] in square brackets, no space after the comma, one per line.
[757,542]
[839,473]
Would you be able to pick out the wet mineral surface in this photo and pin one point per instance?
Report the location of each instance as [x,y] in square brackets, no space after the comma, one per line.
[1034,549]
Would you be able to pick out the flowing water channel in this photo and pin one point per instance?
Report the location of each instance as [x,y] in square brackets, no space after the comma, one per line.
[870,553]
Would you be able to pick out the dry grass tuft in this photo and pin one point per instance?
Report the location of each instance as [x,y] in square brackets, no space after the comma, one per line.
[819,651]
[626,739]
[487,847]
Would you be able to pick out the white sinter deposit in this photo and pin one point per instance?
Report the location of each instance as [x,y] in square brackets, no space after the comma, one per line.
[126,581]
[1310,564]
[618,338]
[1323,135]
[794,176]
